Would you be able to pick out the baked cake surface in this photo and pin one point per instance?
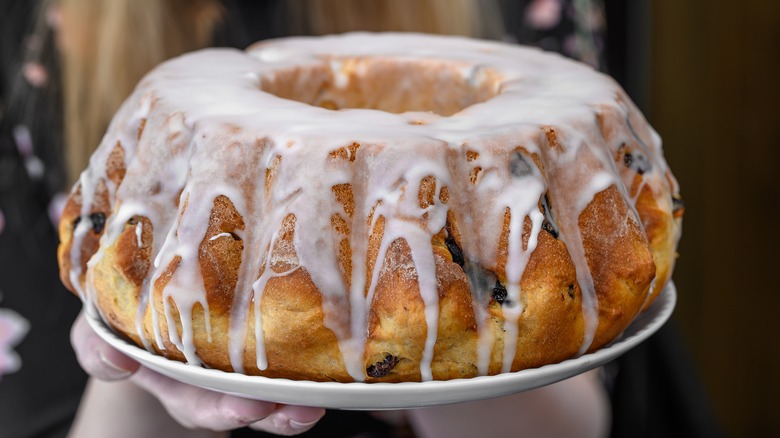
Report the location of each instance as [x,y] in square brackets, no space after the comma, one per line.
[372,207]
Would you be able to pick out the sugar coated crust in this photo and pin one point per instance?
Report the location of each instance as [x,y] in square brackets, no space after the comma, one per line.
[372,207]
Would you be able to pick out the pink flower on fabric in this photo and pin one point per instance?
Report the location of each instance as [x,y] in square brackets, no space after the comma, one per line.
[13,327]
[35,74]
[2,221]
[543,14]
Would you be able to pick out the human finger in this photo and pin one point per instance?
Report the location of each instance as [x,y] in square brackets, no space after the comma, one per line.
[199,408]
[96,356]
[289,420]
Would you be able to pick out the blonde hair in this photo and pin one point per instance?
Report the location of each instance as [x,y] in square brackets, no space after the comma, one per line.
[475,18]
[108,46]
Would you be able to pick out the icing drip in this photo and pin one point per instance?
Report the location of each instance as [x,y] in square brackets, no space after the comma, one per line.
[217,236]
[139,229]
[522,200]
[211,131]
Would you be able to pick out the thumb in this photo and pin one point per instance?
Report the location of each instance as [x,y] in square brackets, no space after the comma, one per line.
[96,356]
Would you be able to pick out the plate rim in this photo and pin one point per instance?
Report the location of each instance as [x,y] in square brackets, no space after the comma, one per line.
[403,395]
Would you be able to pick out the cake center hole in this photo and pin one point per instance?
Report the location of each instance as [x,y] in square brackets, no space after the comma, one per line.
[387,84]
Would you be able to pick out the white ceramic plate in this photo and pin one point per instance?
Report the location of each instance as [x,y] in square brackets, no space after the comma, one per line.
[376,396]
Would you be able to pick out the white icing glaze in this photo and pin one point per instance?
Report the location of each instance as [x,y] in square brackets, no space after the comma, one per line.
[139,230]
[217,236]
[211,131]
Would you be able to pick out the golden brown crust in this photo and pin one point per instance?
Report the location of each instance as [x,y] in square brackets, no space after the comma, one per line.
[90,242]
[133,260]
[659,227]
[553,307]
[220,258]
[119,297]
[297,343]
[621,287]
[398,312]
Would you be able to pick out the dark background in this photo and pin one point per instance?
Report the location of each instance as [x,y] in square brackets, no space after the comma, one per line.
[707,75]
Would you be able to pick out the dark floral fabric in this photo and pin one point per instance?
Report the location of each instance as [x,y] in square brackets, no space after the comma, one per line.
[575,28]
[41,381]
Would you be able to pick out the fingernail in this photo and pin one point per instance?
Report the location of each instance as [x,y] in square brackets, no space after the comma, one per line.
[298,426]
[117,371]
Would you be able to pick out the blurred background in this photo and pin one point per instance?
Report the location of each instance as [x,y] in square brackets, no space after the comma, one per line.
[712,90]
[706,73]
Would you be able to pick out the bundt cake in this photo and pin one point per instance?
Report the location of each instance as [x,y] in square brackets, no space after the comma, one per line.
[372,207]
